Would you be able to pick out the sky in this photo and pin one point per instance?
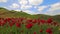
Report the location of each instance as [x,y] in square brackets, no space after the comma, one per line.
[33,7]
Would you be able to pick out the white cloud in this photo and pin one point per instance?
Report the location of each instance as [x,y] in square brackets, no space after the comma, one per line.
[52,13]
[14,5]
[30,12]
[35,6]
[3,0]
[31,2]
[41,8]
[35,2]
[23,2]
[24,7]
[27,4]
[54,9]
[17,10]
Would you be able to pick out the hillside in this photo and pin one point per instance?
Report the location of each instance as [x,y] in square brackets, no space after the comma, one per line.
[11,13]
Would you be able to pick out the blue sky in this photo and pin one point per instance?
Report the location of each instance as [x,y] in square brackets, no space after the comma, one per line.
[33,7]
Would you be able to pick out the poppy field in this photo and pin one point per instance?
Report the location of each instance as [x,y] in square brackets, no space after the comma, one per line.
[23,25]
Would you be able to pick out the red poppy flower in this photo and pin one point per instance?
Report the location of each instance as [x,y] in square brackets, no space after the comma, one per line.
[11,24]
[34,21]
[29,21]
[8,20]
[49,30]
[41,30]
[2,22]
[34,32]
[5,20]
[43,21]
[55,23]
[28,26]
[21,19]
[18,25]
[49,21]
[38,20]
[50,33]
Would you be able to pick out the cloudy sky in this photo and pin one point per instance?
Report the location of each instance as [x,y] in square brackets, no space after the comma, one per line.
[49,7]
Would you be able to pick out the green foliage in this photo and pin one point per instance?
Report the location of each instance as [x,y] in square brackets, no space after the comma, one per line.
[11,13]
[14,30]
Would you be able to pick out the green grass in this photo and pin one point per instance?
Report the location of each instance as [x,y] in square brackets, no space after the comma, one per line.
[14,30]
[11,13]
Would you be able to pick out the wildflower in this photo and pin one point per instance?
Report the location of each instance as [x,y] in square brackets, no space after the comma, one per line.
[42,21]
[41,30]
[34,21]
[28,26]
[29,21]
[49,21]
[49,30]
[11,24]
[2,22]
[18,25]
[55,23]
[34,32]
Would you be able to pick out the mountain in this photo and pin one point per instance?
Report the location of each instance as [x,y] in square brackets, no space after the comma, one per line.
[11,13]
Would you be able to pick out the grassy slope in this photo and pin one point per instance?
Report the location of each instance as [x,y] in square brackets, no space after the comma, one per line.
[6,13]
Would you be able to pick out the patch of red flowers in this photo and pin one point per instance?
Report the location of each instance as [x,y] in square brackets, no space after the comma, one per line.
[49,21]
[49,30]
[2,22]
[34,21]
[29,25]
[11,24]
[18,25]
[43,21]
[41,30]
[35,33]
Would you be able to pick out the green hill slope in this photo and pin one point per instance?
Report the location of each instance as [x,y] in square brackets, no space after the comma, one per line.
[11,13]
